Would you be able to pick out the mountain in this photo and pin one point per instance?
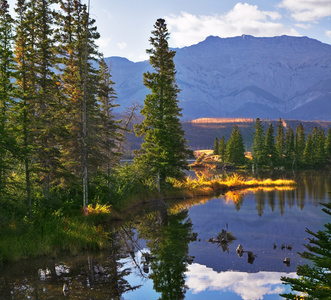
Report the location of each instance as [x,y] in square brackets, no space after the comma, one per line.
[288,77]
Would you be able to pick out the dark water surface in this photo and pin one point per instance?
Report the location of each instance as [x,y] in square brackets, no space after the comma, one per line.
[163,253]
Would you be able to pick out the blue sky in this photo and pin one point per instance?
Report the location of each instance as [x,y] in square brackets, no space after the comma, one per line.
[125,26]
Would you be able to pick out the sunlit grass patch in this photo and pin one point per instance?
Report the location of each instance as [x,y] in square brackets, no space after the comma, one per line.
[99,209]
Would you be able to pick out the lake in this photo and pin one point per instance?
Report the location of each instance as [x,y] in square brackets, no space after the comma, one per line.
[163,252]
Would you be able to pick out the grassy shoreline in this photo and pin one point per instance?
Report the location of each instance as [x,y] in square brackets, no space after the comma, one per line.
[54,233]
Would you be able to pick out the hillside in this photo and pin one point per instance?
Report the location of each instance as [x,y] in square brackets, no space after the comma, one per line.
[288,77]
[201,133]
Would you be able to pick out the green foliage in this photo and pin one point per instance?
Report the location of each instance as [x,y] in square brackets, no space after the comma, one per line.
[269,150]
[280,143]
[216,147]
[222,149]
[289,148]
[235,148]
[314,282]
[258,144]
[299,144]
[164,151]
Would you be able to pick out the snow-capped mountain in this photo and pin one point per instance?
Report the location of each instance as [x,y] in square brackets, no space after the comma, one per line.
[244,76]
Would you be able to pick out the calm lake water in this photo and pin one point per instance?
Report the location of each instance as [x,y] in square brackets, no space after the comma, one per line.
[163,252]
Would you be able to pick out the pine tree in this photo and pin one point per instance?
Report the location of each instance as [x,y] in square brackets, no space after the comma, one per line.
[258,144]
[314,281]
[7,140]
[328,146]
[289,150]
[109,127]
[280,142]
[270,152]
[25,83]
[299,144]
[222,149]
[318,140]
[165,150]
[215,148]
[235,149]
[308,153]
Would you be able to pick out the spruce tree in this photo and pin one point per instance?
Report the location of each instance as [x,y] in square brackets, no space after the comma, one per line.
[314,281]
[258,144]
[164,151]
[328,146]
[308,153]
[270,152]
[235,149]
[318,140]
[222,149]
[289,150]
[280,142]
[7,140]
[299,144]
[215,148]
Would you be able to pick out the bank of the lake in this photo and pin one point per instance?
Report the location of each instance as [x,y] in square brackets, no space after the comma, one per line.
[50,233]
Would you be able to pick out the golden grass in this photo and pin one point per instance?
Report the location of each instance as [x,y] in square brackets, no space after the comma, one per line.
[203,187]
[99,209]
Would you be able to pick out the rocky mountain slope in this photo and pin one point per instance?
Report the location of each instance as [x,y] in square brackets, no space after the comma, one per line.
[288,77]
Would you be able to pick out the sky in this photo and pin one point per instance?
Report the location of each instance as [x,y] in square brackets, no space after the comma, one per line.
[125,25]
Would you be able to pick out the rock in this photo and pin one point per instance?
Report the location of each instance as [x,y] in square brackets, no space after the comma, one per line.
[287,261]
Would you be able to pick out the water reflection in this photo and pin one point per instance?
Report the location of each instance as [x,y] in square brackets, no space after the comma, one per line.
[167,237]
[164,253]
[202,280]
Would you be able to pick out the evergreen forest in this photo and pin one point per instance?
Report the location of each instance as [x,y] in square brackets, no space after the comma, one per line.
[278,147]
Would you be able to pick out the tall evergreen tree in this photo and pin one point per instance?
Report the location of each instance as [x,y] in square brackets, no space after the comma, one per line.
[7,140]
[280,142]
[215,148]
[258,144]
[164,151]
[308,153]
[109,128]
[328,146]
[26,85]
[299,144]
[235,149]
[318,140]
[222,149]
[314,281]
[289,150]
[270,152]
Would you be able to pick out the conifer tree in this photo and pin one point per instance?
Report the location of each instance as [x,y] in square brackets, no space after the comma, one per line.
[280,142]
[164,151]
[222,149]
[328,146]
[270,152]
[289,150]
[299,144]
[109,127]
[308,153]
[7,140]
[216,149]
[318,140]
[235,148]
[26,85]
[258,144]
[314,281]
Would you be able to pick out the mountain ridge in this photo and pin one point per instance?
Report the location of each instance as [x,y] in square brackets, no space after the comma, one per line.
[242,76]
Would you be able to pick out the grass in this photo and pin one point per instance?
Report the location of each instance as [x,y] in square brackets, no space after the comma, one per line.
[53,233]
[202,187]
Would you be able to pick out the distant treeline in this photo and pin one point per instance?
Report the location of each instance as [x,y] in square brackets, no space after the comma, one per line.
[285,148]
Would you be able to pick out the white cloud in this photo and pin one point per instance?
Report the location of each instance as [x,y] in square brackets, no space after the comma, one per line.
[122,45]
[187,29]
[304,26]
[103,42]
[247,285]
[328,33]
[307,10]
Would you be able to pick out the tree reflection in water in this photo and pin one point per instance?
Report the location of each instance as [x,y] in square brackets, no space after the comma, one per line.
[168,237]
